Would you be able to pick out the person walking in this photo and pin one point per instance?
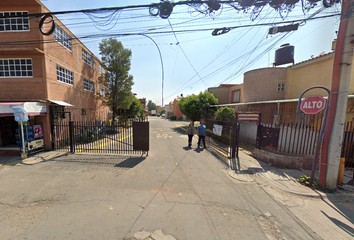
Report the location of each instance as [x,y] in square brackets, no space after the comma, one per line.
[201,133]
[190,131]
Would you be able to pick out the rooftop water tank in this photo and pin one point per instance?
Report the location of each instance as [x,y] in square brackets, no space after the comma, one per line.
[284,55]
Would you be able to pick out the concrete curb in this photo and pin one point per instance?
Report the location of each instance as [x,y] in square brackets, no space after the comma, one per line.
[243,177]
[246,177]
[33,160]
[312,194]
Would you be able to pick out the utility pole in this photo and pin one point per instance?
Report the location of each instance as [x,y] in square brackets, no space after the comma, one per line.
[331,148]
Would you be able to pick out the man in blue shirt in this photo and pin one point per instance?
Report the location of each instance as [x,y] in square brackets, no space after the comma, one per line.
[201,133]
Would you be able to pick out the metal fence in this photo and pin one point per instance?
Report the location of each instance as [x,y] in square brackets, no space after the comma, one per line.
[348,144]
[228,141]
[97,137]
[295,138]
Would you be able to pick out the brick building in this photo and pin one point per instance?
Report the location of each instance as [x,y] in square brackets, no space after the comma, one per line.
[44,73]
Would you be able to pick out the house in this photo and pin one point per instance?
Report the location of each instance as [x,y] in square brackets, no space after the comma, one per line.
[46,75]
[227,93]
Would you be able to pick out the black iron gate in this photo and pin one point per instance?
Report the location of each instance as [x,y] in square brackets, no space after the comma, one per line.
[226,139]
[123,137]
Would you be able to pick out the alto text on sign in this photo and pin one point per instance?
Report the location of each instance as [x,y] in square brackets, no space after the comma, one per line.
[313,104]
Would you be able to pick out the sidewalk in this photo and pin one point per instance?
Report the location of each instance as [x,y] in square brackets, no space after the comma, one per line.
[13,157]
[283,179]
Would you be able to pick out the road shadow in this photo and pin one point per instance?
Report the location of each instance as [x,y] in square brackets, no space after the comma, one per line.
[348,229]
[130,162]
[117,161]
[179,130]
[198,150]
[187,148]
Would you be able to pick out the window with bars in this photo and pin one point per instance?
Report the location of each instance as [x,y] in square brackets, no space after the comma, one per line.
[65,76]
[16,68]
[86,57]
[88,85]
[102,91]
[62,37]
[280,87]
[14,23]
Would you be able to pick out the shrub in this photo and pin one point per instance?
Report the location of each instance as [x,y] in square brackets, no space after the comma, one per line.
[225,114]
[173,117]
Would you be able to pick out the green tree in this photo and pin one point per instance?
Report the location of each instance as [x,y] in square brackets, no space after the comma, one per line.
[225,114]
[136,108]
[151,105]
[195,106]
[117,80]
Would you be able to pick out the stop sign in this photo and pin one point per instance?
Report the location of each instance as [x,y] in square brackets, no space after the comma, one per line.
[313,104]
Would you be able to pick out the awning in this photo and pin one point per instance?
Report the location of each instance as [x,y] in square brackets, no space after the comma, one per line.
[32,108]
[61,103]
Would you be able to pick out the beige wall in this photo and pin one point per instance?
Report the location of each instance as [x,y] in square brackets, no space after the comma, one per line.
[224,93]
[221,93]
[261,84]
[314,72]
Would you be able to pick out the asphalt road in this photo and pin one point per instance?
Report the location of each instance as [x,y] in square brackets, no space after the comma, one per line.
[174,193]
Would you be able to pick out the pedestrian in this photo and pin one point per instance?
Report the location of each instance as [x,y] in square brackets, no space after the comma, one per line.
[201,133]
[190,131]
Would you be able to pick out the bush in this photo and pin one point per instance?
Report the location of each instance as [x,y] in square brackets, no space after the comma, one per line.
[173,117]
[225,114]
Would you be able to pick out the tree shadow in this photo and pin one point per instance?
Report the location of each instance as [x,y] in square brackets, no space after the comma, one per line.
[179,130]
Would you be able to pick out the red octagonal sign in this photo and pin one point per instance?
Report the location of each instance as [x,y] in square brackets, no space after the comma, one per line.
[313,104]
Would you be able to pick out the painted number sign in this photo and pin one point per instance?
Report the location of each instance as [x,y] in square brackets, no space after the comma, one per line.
[313,104]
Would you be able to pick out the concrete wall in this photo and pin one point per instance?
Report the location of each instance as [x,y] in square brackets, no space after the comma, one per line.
[224,92]
[261,84]
[221,93]
[294,162]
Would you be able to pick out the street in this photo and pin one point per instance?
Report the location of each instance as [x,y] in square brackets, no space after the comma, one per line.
[174,193]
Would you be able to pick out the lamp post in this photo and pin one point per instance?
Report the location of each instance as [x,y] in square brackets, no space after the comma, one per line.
[161,63]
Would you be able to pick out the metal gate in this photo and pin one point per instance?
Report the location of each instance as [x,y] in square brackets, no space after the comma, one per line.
[123,137]
[227,140]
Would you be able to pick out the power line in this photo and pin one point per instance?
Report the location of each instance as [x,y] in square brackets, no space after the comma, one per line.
[178,43]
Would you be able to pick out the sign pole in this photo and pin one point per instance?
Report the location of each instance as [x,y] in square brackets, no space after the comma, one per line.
[23,153]
[319,142]
[21,116]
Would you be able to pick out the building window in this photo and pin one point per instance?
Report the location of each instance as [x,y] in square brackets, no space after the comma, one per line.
[16,68]
[102,91]
[65,76]
[236,96]
[88,85]
[83,111]
[101,69]
[280,87]
[86,57]
[14,23]
[62,37]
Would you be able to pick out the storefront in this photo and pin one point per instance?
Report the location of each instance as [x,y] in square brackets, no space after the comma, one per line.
[9,131]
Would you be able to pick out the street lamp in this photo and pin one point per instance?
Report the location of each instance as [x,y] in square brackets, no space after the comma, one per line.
[161,62]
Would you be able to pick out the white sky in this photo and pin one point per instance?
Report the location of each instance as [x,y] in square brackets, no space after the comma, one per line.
[199,60]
